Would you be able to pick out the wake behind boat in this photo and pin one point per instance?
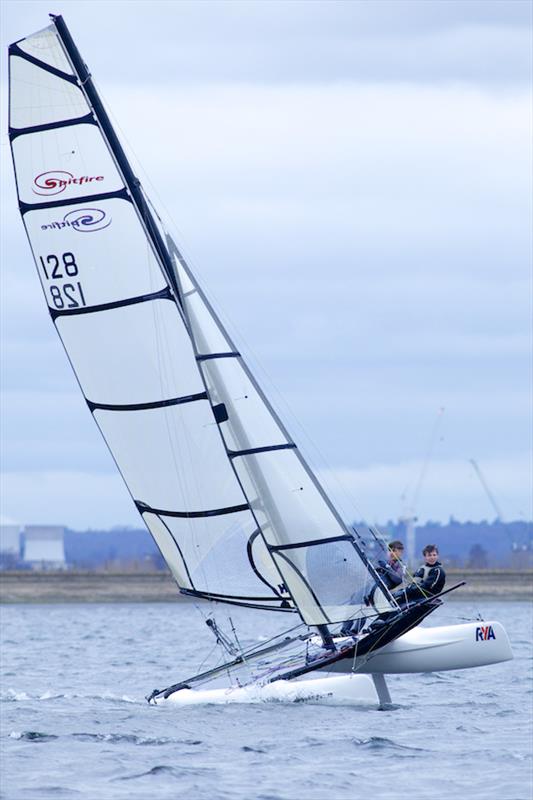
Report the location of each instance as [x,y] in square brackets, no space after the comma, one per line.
[233,506]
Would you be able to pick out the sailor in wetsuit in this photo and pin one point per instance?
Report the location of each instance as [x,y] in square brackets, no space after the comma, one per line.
[391,573]
[429,579]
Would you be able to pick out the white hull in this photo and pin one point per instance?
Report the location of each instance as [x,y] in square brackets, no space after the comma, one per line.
[474,644]
[334,690]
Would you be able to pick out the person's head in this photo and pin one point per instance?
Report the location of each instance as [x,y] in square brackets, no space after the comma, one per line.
[396,550]
[431,554]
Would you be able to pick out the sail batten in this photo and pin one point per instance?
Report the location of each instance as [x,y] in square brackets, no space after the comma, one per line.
[212,512]
[268,448]
[88,119]
[175,401]
[119,194]
[162,294]
[211,356]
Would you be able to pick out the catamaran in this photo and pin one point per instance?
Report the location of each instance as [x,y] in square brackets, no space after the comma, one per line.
[237,513]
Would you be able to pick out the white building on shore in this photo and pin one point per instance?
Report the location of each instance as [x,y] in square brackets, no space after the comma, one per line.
[9,546]
[44,546]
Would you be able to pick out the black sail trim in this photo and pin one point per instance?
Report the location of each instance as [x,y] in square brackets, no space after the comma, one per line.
[209,356]
[249,552]
[88,119]
[268,448]
[310,543]
[241,597]
[213,512]
[229,601]
[120,194]
[163,294]
[174,401]
[15,50]
[178,548]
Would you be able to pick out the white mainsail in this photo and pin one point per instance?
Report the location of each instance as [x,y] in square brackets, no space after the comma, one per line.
[232,505]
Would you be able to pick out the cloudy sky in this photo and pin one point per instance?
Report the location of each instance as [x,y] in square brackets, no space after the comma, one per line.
[351,181]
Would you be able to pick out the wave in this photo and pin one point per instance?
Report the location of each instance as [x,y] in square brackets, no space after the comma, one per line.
[166,771]
[111,738]
[12,696]
[382,743]
[33,736]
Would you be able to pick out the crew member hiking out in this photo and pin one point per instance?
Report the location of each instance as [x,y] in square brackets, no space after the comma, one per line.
[429,579]
[391,573]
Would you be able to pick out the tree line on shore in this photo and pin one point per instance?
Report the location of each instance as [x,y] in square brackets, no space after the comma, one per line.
[475,545]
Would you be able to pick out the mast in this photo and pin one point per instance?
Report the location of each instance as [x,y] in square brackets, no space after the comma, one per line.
[132,182]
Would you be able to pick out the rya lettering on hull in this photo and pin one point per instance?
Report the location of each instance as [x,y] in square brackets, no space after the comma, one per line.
[483,633]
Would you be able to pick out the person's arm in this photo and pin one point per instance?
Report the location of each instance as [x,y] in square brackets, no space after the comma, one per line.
[392,578]
[418,574]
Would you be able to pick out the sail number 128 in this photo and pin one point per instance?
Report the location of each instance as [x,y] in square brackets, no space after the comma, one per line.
[67,295]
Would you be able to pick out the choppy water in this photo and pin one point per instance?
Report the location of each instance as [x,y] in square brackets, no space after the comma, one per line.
[74,722]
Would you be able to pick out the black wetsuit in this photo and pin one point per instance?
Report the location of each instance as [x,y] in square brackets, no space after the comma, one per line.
[431,580]
[390,576]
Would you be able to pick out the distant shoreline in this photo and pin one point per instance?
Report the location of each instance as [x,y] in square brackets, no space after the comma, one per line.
[149,587]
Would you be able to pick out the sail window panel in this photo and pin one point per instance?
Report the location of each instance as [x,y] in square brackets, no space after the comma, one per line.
[132,354]
[326,579]
[310,609]
[171,458]
[168,549]
[97,247]
[249,424]
[334,570]
[379,602]
[64,164]
[39,98]
[45,46]
[286,495]
[215,551]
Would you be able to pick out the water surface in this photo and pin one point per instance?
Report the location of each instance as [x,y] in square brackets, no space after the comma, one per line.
[75,724]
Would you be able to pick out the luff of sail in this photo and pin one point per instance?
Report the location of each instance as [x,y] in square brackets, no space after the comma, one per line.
[231,508]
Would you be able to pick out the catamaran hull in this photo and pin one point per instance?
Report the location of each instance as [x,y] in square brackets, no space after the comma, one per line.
[474,644]
[357,690]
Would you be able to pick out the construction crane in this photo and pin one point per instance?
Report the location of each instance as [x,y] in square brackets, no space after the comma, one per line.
[516,547]
[494,504]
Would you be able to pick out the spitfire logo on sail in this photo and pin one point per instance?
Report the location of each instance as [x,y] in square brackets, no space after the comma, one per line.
[484,633]
[57,180]
[82,220]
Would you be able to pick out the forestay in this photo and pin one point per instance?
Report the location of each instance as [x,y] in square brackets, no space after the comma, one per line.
[234,509]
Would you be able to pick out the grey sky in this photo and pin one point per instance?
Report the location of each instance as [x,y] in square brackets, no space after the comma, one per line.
[353,183]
